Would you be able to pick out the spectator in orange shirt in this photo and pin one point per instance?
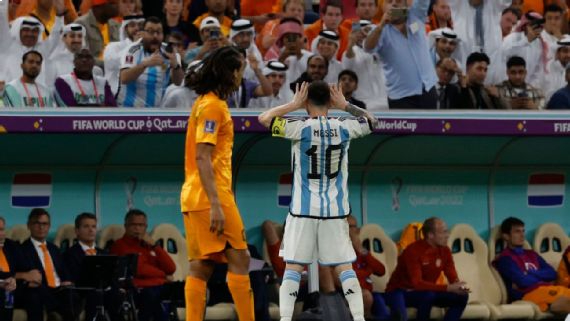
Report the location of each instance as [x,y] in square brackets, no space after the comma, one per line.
[332,16]
[216,9]
[44,11]
[259,12]
[440,16]
[126,8]
[100,27]
[154,265]
[365,10]
[270,32]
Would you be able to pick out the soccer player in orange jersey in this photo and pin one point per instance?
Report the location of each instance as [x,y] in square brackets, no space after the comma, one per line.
[214,228]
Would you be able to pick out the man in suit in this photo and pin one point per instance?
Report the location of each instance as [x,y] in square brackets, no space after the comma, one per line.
[447,92]
[86,232]
[100,27]
[40,268]
[8,250]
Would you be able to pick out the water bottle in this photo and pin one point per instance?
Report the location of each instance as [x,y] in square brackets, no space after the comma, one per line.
[9,299]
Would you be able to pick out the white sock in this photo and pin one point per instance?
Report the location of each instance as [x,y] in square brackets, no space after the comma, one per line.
[353,294]
[288,293]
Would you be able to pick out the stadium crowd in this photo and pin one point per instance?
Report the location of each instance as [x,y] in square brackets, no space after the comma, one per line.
[410,54]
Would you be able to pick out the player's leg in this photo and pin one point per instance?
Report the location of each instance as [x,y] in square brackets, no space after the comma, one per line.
[289,290]
[299,241]
[195,289]
[238,264]
[239,283]
[335,249]
[199,242]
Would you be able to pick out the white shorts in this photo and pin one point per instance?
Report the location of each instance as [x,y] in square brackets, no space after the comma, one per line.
[326,240]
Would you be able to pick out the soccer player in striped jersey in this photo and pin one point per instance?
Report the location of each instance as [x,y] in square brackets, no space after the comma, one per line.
[316,223]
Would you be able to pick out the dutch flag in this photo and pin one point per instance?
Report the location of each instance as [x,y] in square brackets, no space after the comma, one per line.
[546,190]
[31,190]
[284,190]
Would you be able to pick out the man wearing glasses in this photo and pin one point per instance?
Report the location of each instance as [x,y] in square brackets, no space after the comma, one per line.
[41,268]
[147,68]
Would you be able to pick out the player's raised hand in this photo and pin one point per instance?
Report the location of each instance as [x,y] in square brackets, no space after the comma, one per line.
[300,95]
[217,220]
[337,98]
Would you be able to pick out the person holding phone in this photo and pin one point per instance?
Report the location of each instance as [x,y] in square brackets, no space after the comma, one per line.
[212,39]
[400,39]
[147,68]
[514,92]
[526,42]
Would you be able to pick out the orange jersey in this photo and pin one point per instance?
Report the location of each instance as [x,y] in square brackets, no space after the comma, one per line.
[209,123]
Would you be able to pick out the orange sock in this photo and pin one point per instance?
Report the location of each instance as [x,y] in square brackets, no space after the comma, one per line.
[195,293]
[242,294]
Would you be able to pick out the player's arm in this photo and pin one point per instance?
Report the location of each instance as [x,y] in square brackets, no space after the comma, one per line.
[338,101]
[298,101]
[206,172]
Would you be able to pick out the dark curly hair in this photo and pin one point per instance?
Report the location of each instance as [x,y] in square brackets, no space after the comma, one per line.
[216,73]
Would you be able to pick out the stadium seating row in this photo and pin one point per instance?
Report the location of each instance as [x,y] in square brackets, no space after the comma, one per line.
[472,256]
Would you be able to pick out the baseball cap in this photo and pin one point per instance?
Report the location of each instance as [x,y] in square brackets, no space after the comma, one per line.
[209,22]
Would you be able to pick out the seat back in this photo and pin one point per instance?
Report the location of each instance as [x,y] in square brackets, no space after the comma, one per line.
[65,236]
[171,240]
[18,233]
[550,241]
[110,234]
[496,244]
[470,257]
[382,248]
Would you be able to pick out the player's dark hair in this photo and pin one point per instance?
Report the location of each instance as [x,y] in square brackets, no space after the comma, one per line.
[132,213]
[84,216]
[509,223]
[429,225]
[153,20]
[36,213]
[553,8]
[32,52]
[320,56]
[216,72]
[477,57]
[319,93]
[516,61]
[332,3]
[350,73]
[512,10]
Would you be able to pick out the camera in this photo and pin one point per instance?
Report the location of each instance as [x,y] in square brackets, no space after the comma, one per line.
[522,94]
[356,26]
[215,34]
[398,13]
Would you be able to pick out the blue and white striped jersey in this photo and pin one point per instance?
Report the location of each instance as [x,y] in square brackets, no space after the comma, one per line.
[149,88]
[320,162]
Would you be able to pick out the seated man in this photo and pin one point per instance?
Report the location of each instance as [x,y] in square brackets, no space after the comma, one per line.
[41,269]
[8,250]
[414,282]
[515,92]
[525,273]
[26,91]
[86,232]
[154,268]
[81,88]
[365,266]
[276,73]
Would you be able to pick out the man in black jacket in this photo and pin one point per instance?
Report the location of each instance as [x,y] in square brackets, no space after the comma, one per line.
[40,268]
[86,232]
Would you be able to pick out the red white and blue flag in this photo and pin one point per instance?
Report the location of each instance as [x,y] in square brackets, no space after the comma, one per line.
[546,190]
[284,190]
[31,190]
